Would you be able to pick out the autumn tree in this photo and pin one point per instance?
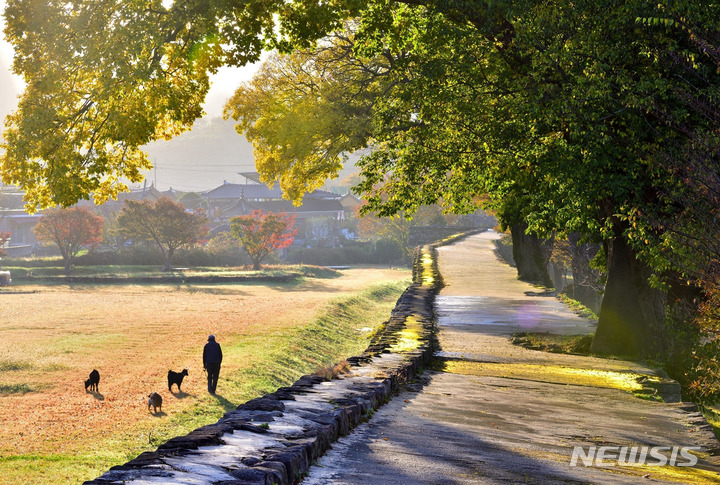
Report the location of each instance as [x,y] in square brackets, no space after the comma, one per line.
[262,233]
[70,230]
[163,222]
[304,112]
[114,236]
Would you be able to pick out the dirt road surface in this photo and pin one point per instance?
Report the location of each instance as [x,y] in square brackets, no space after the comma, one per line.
[498,413]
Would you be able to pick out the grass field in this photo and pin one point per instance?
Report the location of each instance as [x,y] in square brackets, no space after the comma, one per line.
[51,337]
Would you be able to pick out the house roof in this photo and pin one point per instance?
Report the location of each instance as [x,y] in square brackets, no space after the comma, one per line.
[11,198]
[310,207]
[247,191]
[254,176]
[259,191]
[309,204]
[323,194]
[349,200]
[239,208]
[24,218]
[140,194]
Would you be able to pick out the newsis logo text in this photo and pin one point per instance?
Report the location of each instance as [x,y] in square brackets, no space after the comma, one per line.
[606,456]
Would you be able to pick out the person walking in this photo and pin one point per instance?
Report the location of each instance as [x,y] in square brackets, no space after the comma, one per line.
[212,358]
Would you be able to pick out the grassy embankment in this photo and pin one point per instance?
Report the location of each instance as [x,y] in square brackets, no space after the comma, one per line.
[56,433]
[23,274]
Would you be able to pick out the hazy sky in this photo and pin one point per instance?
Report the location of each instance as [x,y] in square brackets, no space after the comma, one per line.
[169,172]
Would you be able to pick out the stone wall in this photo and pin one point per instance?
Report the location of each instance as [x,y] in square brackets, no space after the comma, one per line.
[275,438]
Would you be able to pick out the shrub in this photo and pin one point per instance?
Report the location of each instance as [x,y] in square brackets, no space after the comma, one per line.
[695,355]
[383,251]
[389,251]
[329,256]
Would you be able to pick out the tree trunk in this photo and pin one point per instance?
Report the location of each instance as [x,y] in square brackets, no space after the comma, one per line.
[168,257]
[631,312]
[586,287]
[67,265]
[530,256]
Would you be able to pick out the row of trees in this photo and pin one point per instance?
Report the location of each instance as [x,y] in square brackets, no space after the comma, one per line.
[595,118]
[164,223]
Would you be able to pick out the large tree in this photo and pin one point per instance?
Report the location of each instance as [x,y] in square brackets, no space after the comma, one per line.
[71,230]
[163,222]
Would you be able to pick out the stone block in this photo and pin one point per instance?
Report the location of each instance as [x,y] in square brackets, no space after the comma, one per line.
[262,404]
[279,469]
[295,461]
[256,476]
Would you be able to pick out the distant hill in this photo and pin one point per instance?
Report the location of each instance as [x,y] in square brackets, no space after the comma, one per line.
[201,159]
[212,153]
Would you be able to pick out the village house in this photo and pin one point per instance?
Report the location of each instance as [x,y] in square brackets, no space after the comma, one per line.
[318,219]
[15,220]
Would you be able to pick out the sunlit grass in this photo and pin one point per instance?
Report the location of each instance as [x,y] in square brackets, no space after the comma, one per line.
[564,344]
[428,275]
[578,307]
[547,373]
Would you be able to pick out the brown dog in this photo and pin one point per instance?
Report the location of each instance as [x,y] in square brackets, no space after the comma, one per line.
[155,402]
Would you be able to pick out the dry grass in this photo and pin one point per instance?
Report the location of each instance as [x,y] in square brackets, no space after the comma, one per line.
[330,372]
[51,339]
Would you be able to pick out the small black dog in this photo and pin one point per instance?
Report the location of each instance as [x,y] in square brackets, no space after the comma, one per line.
[155,402]
[176,378]
[93,382]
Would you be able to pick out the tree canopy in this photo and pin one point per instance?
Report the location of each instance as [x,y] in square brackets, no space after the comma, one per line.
[164,222]
[262,233]
[71,230]
[304,112]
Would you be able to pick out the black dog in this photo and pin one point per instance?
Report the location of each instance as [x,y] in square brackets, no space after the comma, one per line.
[93,382]
[176,378]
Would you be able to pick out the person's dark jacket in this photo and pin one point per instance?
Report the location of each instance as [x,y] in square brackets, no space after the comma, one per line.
[212,353]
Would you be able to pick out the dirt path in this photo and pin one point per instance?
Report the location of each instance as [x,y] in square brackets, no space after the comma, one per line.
[503,414]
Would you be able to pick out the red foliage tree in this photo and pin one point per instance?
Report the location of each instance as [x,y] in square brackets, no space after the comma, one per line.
[262,233]
[70,230]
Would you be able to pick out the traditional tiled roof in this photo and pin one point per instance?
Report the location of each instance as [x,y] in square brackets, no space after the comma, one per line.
[258,192]
[246,191]
[309,204]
